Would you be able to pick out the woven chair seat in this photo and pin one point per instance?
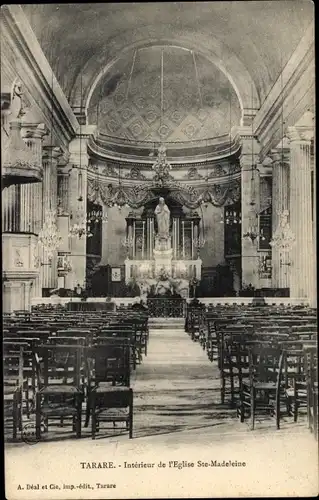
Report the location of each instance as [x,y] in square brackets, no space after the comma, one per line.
[60,389]
[103,388]
[113,414]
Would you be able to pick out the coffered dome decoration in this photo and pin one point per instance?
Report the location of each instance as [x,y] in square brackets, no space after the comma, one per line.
[199,102]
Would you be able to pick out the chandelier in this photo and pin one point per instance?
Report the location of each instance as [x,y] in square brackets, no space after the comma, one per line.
[49,236]
[283,238]
[96,216]
[80,229]
[231,217]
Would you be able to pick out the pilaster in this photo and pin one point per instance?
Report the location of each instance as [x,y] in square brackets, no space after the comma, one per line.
[249,206]
[302,259]
[31,194]
[51,156]
[77,188]
[280,204]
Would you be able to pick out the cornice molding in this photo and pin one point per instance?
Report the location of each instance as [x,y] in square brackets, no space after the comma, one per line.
[33,69]
[178,154]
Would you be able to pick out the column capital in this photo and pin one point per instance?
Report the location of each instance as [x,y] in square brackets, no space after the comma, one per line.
[300,135]
[279,158]
[303,130]
[52,152]
[34,130]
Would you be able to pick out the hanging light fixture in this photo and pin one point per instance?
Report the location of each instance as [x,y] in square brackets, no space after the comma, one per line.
[81,227]
[283,238]
[252,233]
[49,237]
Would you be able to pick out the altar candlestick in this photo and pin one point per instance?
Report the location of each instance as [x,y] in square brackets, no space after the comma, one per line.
[143,234]
[183,239]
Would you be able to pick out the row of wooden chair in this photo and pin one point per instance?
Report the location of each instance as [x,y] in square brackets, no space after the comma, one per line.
[261,358]
[53,371]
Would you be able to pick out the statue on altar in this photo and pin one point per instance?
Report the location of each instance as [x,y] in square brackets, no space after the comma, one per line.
[162,216]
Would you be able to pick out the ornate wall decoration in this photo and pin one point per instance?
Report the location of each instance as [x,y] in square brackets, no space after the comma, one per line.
[162,167]
[137,195]
[193,174]
[18,262]
[135,174]
[109,171]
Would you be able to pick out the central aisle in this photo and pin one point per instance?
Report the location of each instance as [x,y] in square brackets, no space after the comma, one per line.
[177,388]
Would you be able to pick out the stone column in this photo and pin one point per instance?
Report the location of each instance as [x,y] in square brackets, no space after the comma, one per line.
[302,284]
[48,274]
[280,202]
[31,194]
[249,207]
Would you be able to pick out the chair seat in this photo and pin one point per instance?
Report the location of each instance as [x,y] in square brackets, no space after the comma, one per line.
[300,393]
[103,388]
[261,385]
[58,410]
[8,397]
[60,389]
[113,414]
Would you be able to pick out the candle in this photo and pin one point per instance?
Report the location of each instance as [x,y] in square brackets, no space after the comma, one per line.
[143,232]
[183,239]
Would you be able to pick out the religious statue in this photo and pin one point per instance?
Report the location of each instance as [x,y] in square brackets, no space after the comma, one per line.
[162,216]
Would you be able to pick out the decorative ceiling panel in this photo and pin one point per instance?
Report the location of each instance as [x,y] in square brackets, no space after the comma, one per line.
[198,100]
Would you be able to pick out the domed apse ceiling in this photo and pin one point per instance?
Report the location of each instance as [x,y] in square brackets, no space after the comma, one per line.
[198,100]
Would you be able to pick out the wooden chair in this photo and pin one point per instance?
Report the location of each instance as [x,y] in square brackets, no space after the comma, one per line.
[311,372]
[12,388]
[294,379]
[61,392]
[211,341]
[12,346]
[261,392]
[110,399]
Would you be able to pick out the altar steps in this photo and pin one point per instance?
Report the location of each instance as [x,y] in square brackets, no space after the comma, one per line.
[166,323]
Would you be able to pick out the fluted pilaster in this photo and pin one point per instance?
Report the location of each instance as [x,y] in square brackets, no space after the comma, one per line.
[31,194]
[78,210]
[280,203]
[302,259]
[249,207]
[49,275]
[11,209]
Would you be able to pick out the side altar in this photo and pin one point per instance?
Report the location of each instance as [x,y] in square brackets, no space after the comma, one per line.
[166,270]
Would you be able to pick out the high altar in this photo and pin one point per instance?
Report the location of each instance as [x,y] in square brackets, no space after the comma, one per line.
[163,249]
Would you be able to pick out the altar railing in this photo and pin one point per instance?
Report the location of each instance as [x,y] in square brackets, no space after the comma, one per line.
[166,307]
